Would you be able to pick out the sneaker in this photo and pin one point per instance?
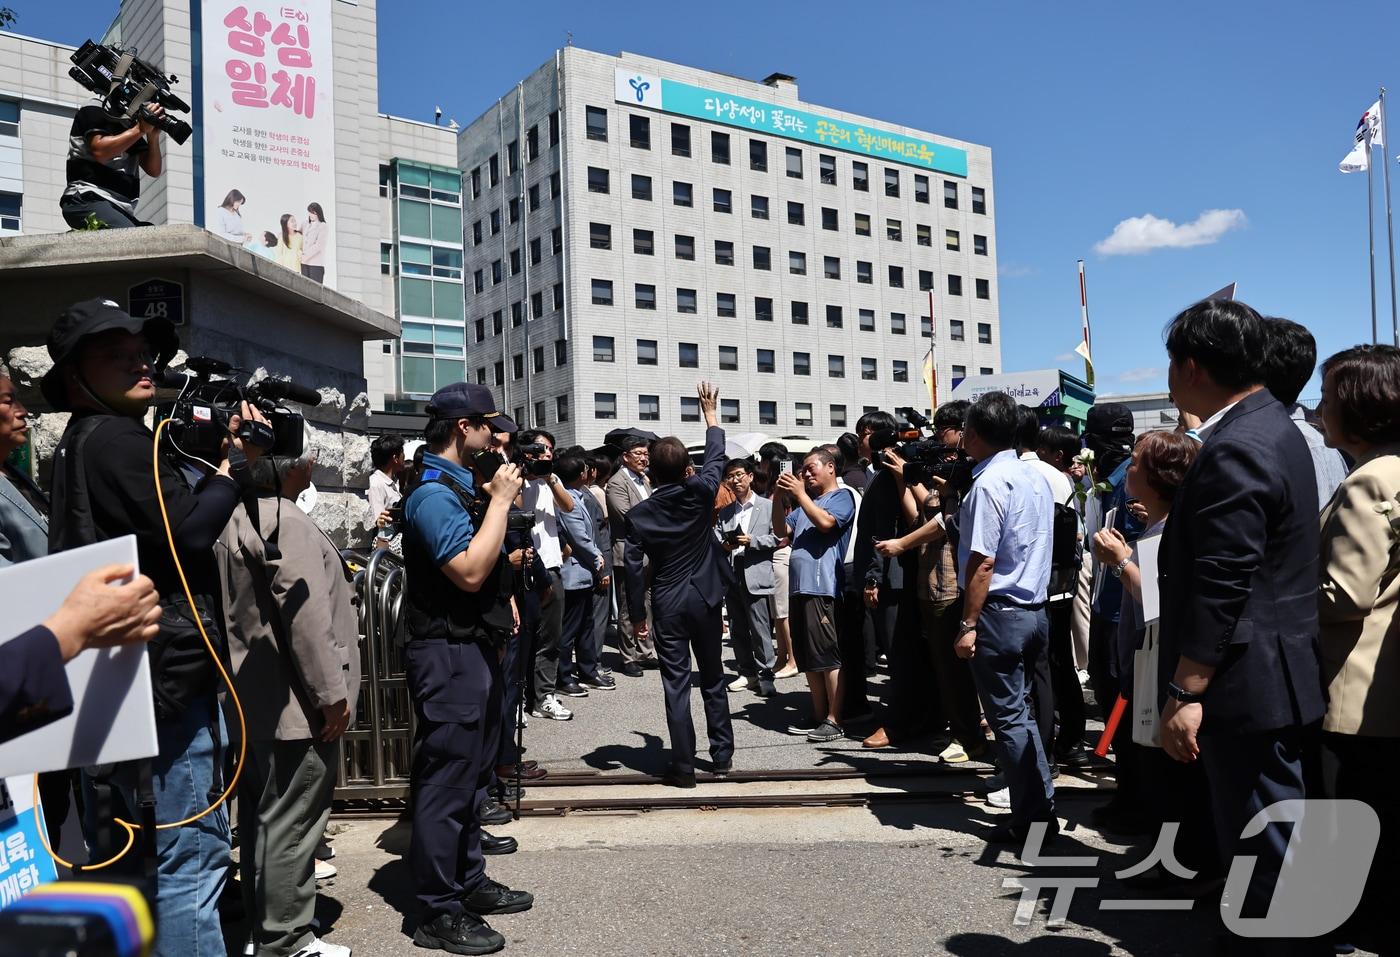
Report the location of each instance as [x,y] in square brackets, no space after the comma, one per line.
[804,727]
[572,690]
[458,934]
[953,754]
[325,870]
[999,798]
[826,731]
[320,948]
[604,682]
[552,709]
[493,897]
[743,684]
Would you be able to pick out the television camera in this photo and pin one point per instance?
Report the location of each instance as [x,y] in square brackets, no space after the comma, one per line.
[927,461]
[127,84]
[200,414]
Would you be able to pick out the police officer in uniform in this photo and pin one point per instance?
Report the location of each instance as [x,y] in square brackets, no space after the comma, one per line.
[459,615]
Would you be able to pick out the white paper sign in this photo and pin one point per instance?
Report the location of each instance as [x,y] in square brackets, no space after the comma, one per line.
[113,715]
[1145,557]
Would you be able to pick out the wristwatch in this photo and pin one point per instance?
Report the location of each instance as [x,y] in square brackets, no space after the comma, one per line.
[1181,694]
[965,626]
[1117,570]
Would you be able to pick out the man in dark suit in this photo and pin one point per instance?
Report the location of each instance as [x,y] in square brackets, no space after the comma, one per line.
[1238,578]
[690,576]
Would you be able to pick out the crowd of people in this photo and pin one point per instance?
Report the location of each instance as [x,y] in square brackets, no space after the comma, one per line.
[1231,583]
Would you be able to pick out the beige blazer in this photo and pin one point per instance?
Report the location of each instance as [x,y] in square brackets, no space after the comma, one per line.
[1357,600]
[622,494]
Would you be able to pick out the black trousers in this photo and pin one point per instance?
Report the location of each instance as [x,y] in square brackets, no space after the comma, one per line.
[957,693]
[914,704]
[676,639]
[855,625]
[1367,769]
[1042,699]
[1064,679]
[108,214]
[548,628]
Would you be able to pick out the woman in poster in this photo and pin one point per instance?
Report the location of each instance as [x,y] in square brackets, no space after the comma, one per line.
[289,249]
[317,237]
[228,221]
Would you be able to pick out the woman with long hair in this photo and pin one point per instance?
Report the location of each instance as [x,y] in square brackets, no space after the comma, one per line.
[228,221]
[289,248]
[317,236]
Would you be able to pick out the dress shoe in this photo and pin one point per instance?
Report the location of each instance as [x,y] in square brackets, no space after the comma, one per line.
[508,793]
[676,778]
[458,934]
[1017,834]
[604,682]
[572,690]
[880,739]
[491,844]
[765,689]
[493,897]
[786,673]
[506,772]
[492,813]
[632,670]
[651,664]
[1075,757]
[722,769]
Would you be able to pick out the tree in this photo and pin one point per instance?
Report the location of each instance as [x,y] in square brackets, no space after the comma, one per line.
[7,18]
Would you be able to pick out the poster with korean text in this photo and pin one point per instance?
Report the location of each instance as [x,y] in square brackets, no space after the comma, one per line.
[269,130]
[24,864]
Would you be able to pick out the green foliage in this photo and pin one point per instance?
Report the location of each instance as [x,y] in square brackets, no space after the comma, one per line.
[92,224]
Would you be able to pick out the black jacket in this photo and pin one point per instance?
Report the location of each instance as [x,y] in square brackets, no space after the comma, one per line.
[1238,573]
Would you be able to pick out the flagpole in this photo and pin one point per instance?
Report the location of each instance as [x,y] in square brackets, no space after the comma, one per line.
[1084,321]
[1389,227]
[1371,233]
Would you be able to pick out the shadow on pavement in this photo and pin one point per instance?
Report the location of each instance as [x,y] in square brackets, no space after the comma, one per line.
[393,881]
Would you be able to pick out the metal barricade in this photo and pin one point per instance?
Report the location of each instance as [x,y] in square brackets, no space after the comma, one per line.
[377,751]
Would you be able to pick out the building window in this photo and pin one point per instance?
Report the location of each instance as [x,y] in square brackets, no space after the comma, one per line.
[729,410]
[536,305]
[639,128]
[680,139]
[862,224]
[685,301]
[690,408]
[926,327]
[766,361]
[600,235]
[517,314]
[558,295]
[646,352]
[649,408]
[952,240]
[955,285]
[899,370]
[561,408]
[514,207]
[476,183]
[829,218]
[497,273]
[498,372]
[726,305]
[597,182]
[534,197]
[481,329]
[794,162]
[685,247]
[797,215]
[602,292]
[758,207]
[979,245]
[801,363]
[763,309]
[554,132]
[894,230]
[9,126]
[925,280]
[827,165]
[979,200]
[797,263]
[960,372]
[641,187]
[867,320]
[476,233]
[724,201]
[538,356]
[897,324]
[950,195]
[920,188]
[831,267]
[868,370]
[514,259]
[834,319]
[603,349]
[860,177]
[955,330]
[719,147]
[517,368]
[605,405]
[493,171]
[924,235]
[532,147]
[758,155]
[984,333]
[896,277]
[836,367]
[554,185]
[682,194]
[561,352]
[643,242]
[838,416]
[497,318]
[10,218]
[729,358]
[982,288]
[556,240]
[762,258]
[512,157]
[495,221]
[724,252]
[892,182]
[864,272]
[539,413]
[799,313]
[767,412]
[596,122]
[803,414]
[645,296]
[688,355]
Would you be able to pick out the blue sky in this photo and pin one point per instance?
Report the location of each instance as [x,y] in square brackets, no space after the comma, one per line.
[1096,112]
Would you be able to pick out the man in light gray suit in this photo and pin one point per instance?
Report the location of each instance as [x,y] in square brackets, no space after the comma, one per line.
[625,489]
[24,528]
[746,532]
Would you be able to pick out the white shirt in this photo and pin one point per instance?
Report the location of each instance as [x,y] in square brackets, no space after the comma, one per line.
[539,498]
[640,481]
[1206,427]
[1060,485]
[383,492]
[745,521]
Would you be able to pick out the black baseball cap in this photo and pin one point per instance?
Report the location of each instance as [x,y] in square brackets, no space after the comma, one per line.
[465,400]
[83,319]
[1111,420]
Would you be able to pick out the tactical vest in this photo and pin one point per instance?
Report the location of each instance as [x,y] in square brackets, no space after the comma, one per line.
[434,607]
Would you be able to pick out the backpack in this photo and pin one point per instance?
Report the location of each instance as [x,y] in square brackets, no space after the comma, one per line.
[1066,550]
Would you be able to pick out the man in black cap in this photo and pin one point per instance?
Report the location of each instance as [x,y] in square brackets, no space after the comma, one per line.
[459,616]
[104,374]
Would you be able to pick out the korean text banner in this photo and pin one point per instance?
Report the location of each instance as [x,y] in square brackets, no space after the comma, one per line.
[761,116]
[269,130]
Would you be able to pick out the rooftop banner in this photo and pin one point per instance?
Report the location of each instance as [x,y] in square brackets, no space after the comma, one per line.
[641,89]
[269,130]
[1034,389]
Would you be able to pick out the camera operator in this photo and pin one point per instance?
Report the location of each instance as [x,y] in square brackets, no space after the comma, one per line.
[459,613]
[106,156]
[103,488]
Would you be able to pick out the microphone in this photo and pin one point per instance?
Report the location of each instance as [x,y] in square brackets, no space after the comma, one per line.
[287,390]
[207,365]
[170,379]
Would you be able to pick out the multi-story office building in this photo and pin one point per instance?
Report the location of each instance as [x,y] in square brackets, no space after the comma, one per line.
[633,225]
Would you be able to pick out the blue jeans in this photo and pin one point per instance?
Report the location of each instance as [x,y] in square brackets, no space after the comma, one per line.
[1008,636]
[192,862]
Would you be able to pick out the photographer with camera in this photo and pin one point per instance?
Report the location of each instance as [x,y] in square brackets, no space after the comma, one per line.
[103,488]
[106,156]
[459,613]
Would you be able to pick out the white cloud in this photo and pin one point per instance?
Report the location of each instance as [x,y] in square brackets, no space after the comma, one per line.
[1141,375]
[1009,270]
[1067,357]
[1141,234]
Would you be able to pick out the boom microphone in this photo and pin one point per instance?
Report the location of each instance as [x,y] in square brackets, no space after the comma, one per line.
[288,391]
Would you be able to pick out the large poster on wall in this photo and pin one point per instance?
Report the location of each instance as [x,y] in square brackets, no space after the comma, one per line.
[269,130]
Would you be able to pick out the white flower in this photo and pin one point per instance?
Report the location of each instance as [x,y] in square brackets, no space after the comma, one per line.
[1085,457]
[1384,508]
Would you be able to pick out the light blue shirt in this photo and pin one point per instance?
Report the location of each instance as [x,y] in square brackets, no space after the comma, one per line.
[1009,516]
[1328,465]
[435,516]
[816,566]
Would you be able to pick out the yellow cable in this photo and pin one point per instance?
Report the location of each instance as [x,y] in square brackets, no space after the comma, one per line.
[131,829]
